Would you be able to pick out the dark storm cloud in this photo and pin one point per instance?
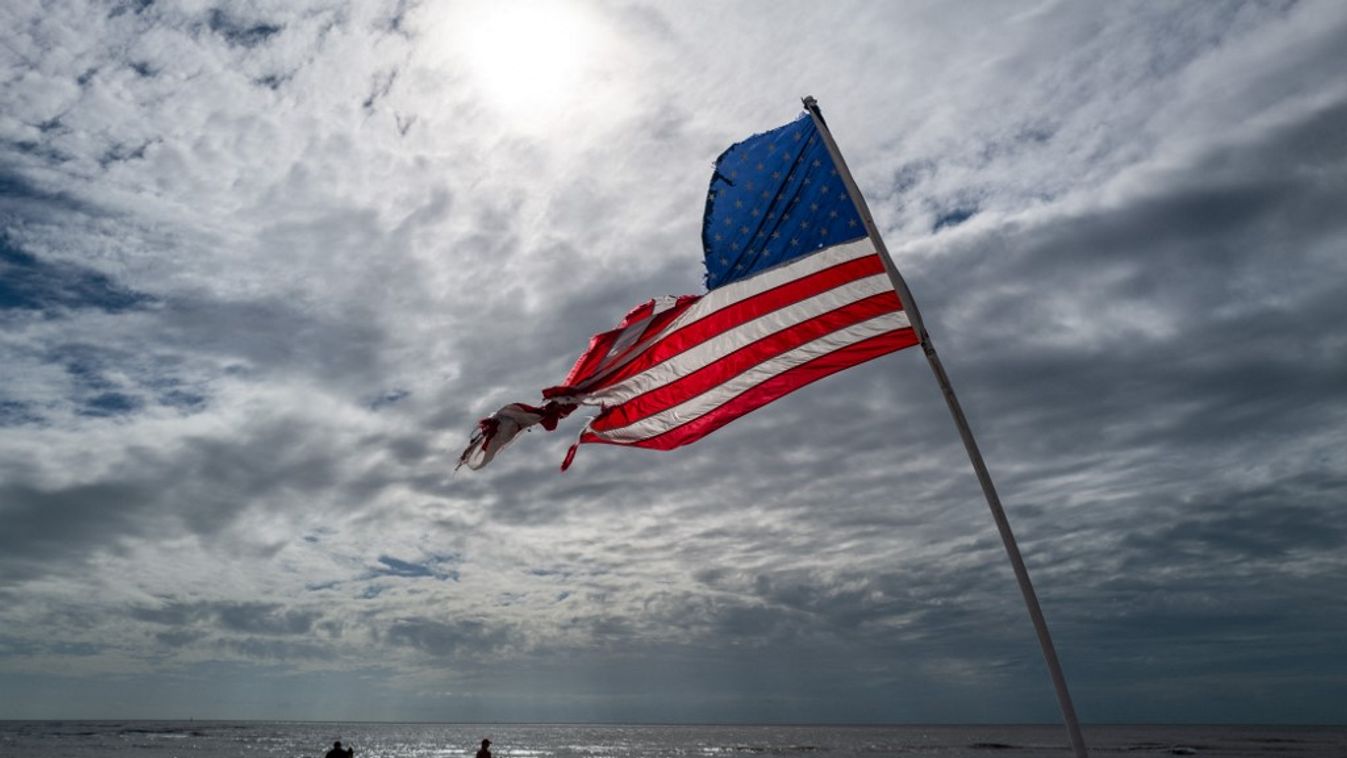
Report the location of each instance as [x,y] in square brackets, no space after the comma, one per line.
[469,639]
[45,527]
[178,638]
[194,338]
[256,631]
[264,618]
[1263,523]
[269,336]
[19,196]
[202,485]
[907,606]
[1214,254]
[246,618]
[267,649]
[29,647]
[28,283]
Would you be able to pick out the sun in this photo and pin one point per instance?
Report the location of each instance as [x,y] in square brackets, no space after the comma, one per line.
[529,58]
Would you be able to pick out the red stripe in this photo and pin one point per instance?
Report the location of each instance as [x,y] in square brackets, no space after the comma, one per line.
[743,311]
[652,329]
[778,386]
[600,345]
[713,374]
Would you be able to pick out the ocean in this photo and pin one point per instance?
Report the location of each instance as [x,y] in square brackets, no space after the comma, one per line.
[257,739]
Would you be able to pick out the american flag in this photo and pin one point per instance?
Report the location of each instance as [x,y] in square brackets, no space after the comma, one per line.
[795,291]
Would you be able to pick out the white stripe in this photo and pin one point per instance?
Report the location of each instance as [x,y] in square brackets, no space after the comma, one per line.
[692,409]
[746,333]
[734,292]
[788,272]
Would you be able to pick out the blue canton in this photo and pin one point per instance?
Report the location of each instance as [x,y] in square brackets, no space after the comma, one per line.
[774,197]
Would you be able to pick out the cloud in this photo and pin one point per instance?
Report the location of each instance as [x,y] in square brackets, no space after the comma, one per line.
[469,638]
[248,618]
[240,33]
[261,272]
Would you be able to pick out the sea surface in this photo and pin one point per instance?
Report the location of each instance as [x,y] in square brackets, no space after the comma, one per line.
[275,739]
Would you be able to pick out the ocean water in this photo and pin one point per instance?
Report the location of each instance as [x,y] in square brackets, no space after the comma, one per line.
[255,739]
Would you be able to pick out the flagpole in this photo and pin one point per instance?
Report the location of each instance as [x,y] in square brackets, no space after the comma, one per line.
[965,433]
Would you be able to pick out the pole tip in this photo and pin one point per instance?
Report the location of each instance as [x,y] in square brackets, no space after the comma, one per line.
[809,102]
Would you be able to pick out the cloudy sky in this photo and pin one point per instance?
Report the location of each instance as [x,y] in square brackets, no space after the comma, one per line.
[262,266]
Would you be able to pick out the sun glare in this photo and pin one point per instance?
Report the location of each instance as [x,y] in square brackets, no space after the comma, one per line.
[529,58]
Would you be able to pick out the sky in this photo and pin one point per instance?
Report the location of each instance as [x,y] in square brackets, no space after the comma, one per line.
[264,265]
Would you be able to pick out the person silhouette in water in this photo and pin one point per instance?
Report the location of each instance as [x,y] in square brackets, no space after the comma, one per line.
[338,752]
[485,750]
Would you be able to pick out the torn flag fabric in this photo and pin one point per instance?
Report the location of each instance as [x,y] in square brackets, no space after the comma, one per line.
[796,291]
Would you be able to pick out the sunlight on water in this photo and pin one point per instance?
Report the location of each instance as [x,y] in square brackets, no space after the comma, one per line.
[108,739]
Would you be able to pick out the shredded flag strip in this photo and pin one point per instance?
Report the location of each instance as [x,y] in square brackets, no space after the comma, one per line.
[796,292]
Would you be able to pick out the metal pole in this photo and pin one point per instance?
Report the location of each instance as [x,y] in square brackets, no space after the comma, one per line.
[965,433]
